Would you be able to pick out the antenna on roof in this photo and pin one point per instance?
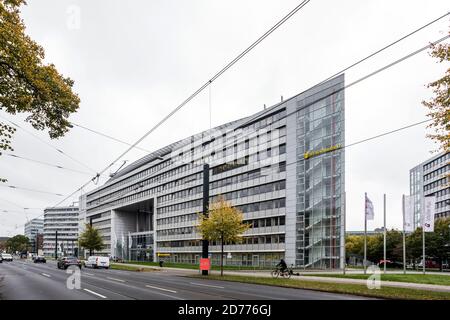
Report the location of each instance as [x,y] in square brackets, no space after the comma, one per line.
[281,98]
[265,106]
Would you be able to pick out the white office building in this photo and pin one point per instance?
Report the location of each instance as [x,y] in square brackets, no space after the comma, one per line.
[32,229]
[63,220]
[430,178]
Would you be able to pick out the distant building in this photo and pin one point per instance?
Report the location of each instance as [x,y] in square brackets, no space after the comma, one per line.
[31,230]
[65,221]
[361,233]
[430,178]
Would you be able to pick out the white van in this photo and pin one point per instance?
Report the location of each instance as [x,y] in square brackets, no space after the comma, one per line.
[97,262]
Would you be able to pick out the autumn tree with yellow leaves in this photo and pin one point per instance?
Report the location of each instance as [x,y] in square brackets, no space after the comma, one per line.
[439,105]
[27,84]
[224,223]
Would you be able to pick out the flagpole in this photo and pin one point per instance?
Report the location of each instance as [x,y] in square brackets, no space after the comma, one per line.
[345,252]
[365,233]
[404,240]
[423,246]
[384,233]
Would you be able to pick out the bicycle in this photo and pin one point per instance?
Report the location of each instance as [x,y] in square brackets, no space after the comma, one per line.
[287,273]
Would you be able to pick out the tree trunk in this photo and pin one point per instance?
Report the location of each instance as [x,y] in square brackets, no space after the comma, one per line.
[221,258]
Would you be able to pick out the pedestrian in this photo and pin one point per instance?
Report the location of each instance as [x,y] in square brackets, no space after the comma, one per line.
[161,262]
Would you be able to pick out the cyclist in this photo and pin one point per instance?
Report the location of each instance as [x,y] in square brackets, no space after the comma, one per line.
[282,265]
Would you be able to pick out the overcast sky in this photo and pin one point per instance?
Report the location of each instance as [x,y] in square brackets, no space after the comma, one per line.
[134,61]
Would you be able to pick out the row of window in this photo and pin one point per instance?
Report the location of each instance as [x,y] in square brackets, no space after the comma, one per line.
[250,175]
[261,189]
[437,172]
[175,231]
[435,184]
[442,192]
[265,205]
[442,204]
[266,222]
[437,161]
[178,219]
[264,122]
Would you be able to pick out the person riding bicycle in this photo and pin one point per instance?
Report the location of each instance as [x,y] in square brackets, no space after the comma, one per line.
[282,265]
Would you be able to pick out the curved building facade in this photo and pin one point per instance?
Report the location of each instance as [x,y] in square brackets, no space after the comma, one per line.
[282,167]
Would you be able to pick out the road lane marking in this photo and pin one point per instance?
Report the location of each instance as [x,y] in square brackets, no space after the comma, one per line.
[95,293]
[120,280]
[47,275]
[206,285]
[161,289]
[89,274]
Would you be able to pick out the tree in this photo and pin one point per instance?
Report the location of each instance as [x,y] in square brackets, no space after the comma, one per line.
[439,106]
[27,85]
[224,224]
[437,243]
[17,243]
[91,239]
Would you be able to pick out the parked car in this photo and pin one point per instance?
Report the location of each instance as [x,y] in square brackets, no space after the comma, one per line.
[428,264]
[97,262]
[38,259]
[65,262]
[390,264]
[1,259]
[7,257]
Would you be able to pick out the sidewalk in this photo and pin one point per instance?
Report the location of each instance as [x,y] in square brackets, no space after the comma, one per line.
[408,285]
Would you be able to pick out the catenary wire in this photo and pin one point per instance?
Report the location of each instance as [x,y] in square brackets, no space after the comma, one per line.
[48,144]
[31,190]
[108,136]
[46,163]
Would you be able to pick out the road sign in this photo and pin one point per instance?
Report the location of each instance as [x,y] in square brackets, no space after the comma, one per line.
[205,264]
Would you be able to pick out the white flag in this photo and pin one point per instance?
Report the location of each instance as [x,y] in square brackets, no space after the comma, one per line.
[408,218]
[428,214]
[369,209]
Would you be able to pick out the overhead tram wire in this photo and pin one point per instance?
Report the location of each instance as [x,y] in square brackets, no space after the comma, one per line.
[364,59]
[108,136]
[31,190]
[193,95]
[48,144]
[47,164]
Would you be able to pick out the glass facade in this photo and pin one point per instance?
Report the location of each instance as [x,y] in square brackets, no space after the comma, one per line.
[320,184]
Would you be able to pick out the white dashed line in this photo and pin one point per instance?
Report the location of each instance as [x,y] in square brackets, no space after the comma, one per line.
[206,285]
[161,289]
[46,275]
[89,274]
[115,279]
[95,293]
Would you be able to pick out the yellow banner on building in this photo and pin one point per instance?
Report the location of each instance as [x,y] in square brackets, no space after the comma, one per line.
[311,154]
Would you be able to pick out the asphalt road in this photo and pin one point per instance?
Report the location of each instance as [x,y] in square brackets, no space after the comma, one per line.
[25,280]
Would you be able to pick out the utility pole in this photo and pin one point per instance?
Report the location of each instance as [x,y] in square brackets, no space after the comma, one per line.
[205,243]
[56,244]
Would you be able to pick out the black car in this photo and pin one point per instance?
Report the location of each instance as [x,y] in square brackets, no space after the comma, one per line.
[65,262]
[38,259]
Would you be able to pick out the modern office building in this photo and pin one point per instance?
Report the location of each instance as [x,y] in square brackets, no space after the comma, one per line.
[430,178]
[65,221]
[282,167]
[31,230]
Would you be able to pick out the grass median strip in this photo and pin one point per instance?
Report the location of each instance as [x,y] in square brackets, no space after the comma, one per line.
[131,268]
[436,279]
[353,289]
